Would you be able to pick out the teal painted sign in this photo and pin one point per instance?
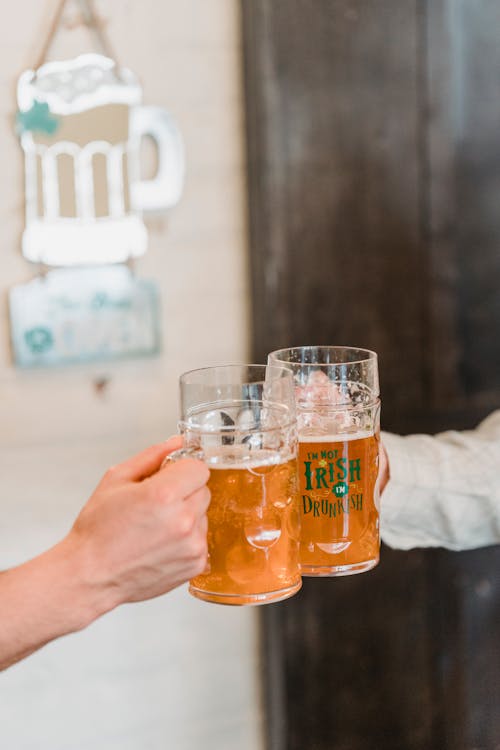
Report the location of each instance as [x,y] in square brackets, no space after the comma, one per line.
[84,315]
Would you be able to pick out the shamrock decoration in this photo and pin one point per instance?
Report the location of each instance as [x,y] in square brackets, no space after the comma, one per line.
[322,463]
[39,339]
[99,301]
[37,119]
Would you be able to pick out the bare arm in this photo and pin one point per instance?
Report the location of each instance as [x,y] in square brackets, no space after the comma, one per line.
[142,533]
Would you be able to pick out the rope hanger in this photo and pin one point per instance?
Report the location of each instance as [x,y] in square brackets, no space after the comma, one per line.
[90,20]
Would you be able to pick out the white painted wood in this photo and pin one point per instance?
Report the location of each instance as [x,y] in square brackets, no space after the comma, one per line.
[172,674]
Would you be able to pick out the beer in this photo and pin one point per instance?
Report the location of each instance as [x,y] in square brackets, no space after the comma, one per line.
[338,503]
[253,528]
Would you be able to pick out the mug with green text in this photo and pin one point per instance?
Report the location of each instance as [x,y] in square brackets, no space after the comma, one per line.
[338,409]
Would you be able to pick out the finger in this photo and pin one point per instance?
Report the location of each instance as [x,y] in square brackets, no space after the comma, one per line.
[199,501]
[180,479]
[203,525]
[383,470]
[147,462]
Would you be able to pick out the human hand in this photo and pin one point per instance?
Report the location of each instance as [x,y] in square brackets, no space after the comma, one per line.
[383,470]
[143,532]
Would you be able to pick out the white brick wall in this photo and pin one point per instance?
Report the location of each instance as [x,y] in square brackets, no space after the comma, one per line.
[173,674]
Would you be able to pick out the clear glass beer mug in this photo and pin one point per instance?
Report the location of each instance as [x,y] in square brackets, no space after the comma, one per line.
[338,411]
[241,420]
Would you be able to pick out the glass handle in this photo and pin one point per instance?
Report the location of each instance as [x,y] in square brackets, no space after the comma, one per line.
[181,453]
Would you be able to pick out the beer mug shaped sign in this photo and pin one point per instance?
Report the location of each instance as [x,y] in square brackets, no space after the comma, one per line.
[81,123]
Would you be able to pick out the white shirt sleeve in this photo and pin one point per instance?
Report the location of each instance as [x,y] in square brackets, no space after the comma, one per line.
[444,491]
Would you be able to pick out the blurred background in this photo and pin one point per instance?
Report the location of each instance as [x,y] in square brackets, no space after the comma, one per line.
[169,673]
[343,187]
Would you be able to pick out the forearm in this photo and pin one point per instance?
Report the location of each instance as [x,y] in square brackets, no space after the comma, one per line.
[43,599]
[443,490]
[414,516]
[142,533]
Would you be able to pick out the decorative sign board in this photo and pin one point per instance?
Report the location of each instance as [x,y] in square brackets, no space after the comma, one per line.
[70,316]
[81,123]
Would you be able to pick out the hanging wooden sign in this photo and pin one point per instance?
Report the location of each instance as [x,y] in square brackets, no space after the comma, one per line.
[81,123]
[83,315]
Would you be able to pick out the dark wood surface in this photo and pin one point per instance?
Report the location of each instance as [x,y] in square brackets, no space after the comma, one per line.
[373,133]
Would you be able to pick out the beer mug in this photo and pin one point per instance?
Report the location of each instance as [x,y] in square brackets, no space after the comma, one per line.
[241,420]
[338,412]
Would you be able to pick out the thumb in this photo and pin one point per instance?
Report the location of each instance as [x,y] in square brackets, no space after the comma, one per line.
[147,462]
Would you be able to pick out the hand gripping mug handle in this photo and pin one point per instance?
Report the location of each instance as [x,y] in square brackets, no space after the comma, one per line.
[164,190]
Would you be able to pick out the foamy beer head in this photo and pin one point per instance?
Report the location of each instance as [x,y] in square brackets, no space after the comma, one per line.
[338,405]
[241,420]
[88,97]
